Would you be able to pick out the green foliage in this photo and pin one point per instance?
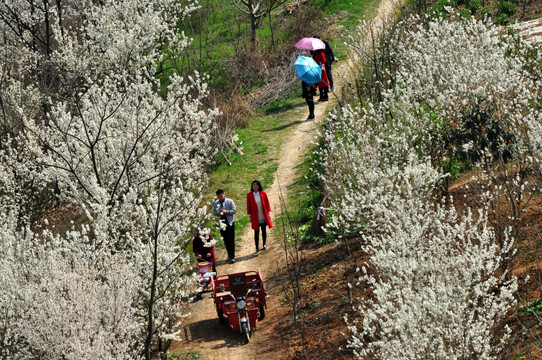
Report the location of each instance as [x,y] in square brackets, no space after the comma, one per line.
[501,19]
[474,5]
[506,7]
[465,14]
[454,168]
[191,355]
[535,308]
[438,9]
[486,11]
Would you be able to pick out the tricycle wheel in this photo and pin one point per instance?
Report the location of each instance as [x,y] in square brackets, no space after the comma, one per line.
[262,314]
[221,319]
[246,332]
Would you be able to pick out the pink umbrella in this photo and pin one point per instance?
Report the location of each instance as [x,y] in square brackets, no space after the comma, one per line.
[310,44]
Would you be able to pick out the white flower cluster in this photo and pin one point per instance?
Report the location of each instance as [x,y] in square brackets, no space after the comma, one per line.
[458,82]
[81,109]
[435,288]
[437,276]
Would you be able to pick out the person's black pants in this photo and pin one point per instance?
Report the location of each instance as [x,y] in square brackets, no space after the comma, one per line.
[263,227]
[229,239]
[310,103]
[323,93]
[329,76]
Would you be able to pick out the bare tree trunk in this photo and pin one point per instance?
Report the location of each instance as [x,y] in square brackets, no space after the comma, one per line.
[272,33]
[150,323]
[253,30]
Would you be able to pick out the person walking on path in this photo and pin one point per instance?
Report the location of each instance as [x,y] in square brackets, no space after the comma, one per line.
[224,208]
[308,93]
[259,210]
[323,85]
[330,60]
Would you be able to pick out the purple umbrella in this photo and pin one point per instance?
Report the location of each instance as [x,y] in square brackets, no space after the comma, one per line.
[310,44]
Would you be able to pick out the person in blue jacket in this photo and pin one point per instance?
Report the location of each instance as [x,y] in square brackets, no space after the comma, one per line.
[224,208]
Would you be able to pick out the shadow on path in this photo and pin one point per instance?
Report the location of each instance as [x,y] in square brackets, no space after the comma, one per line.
[237,259]
[278,128]
[210,331]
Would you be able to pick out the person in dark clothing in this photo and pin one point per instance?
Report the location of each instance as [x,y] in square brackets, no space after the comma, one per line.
[202,250]
[308,93]
[330,59]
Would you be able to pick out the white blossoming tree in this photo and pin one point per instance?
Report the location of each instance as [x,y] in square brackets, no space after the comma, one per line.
[436,287]
[438,278]
[86,110]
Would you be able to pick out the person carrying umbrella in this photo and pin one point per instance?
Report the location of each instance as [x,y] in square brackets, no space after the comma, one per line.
[316,47]
[323,86]
[309,72]
[330,59]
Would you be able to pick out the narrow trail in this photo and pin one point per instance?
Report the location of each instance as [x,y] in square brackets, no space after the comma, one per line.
[201,331]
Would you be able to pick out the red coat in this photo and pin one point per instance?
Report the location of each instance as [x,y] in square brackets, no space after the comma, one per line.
[252,209]
[320,59]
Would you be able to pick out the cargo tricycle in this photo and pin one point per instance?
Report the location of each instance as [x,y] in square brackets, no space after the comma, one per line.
[240,299]
[206,274]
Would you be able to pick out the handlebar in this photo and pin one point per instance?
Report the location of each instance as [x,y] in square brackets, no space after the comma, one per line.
[254,283]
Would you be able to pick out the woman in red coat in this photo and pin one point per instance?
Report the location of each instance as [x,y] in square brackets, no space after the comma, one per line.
[259,210]
[320,58]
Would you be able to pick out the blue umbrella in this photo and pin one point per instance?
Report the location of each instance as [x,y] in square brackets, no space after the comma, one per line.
[308,70]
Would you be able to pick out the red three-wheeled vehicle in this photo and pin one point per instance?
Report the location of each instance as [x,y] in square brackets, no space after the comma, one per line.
[240,299]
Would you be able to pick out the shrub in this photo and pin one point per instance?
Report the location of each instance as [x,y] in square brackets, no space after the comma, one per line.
[486,11]
[506,7]
[474,5]
[465,14]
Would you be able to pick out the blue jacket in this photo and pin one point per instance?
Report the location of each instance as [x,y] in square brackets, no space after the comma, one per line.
[228,205]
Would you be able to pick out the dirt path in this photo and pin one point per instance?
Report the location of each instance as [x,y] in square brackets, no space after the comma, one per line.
[202,332]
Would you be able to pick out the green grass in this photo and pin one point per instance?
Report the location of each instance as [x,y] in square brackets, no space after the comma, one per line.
[191,355]
[351,11]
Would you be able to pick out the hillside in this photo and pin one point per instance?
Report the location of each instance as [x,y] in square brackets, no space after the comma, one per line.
[324,278]
[407,214]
